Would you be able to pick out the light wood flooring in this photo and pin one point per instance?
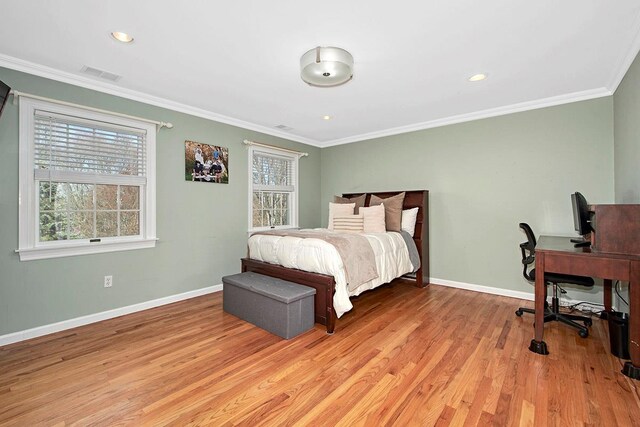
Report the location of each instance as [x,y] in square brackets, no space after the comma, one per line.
[404,356]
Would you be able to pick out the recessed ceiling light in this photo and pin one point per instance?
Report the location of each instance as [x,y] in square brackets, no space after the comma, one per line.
[122,37]
[326,117]
[477,77]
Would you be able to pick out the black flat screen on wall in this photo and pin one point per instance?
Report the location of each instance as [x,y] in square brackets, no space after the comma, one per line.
[4,95]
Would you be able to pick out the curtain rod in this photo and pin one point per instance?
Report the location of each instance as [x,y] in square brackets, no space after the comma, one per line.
[16,94]
[260,144]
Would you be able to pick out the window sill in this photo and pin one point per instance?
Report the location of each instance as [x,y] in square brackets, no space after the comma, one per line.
[31,254]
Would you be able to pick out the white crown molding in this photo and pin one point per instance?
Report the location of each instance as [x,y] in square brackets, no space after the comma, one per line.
[111,89]
[97,317]
[625,61]
[483,114]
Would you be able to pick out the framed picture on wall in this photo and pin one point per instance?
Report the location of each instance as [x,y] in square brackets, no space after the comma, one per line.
[206,163]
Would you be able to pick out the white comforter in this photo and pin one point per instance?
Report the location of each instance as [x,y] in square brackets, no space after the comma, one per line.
[318,256]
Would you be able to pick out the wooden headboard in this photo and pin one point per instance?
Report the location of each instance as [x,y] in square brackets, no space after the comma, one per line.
[412,199]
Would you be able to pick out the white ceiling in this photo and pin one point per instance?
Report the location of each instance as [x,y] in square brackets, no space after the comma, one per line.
[238,61]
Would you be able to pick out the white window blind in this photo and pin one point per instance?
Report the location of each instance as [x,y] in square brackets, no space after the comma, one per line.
[67,148]
[273,172]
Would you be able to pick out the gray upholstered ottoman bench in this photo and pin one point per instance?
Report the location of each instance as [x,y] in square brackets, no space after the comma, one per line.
[282,308]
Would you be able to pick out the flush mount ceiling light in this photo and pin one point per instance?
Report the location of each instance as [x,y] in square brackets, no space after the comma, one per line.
[477,77]
[122,37]
[326,117]
[326,66]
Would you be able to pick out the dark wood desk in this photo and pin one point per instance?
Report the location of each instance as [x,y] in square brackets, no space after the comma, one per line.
[558,255]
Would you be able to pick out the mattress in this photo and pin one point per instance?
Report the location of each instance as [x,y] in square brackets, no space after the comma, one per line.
[317,256]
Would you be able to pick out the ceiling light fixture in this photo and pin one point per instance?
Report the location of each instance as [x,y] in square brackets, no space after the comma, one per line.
[477,77]
[326,117]
[326,66]
[122,37]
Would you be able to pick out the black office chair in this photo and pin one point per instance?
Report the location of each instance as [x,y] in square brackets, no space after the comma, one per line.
[551,313]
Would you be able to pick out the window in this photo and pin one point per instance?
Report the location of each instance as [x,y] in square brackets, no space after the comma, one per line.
[273,194]
[87,181]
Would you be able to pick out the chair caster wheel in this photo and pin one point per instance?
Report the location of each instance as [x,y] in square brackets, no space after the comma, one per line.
[519,313]
[583,333]
[588,323]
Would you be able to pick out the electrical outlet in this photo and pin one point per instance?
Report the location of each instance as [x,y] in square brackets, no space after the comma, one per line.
[108,281]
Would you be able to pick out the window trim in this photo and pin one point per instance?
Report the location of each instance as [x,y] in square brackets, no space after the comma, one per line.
[294,205]
[28,224]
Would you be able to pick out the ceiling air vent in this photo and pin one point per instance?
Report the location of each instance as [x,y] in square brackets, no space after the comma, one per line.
[284,127]
[94,72]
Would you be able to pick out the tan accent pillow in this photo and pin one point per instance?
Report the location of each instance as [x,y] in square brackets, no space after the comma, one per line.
[358,200]
[393,210]
[373,219]
[348,223]
[338,209]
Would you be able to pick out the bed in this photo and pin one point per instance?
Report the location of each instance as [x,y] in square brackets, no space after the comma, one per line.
[325,285]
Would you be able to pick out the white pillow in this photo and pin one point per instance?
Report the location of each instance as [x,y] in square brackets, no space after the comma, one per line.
[374,219]
[409,217]
[348,223]
[339,209]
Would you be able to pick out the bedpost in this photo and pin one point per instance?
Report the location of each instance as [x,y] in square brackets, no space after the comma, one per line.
[422,275]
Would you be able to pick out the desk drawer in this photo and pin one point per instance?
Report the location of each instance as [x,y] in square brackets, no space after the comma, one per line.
[591,266]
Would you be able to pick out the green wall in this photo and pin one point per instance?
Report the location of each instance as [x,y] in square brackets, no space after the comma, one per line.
[626,108]
[627,136]
[202,227]
[485,177]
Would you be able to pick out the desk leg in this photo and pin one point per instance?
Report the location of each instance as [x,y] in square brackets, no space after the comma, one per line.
[632,369]
[607,286]
[537,344]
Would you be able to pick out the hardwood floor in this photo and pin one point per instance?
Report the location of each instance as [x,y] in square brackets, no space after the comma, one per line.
[404,356]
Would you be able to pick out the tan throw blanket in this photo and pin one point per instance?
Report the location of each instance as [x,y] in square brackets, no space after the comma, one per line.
[356,252]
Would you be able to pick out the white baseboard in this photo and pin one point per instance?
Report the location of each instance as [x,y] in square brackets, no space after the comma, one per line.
[529,296]
[484,289]
[97,317]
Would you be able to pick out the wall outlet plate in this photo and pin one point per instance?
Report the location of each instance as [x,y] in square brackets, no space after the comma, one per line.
[108,281]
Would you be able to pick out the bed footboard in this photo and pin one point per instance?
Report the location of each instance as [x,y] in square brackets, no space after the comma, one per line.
[323,284]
